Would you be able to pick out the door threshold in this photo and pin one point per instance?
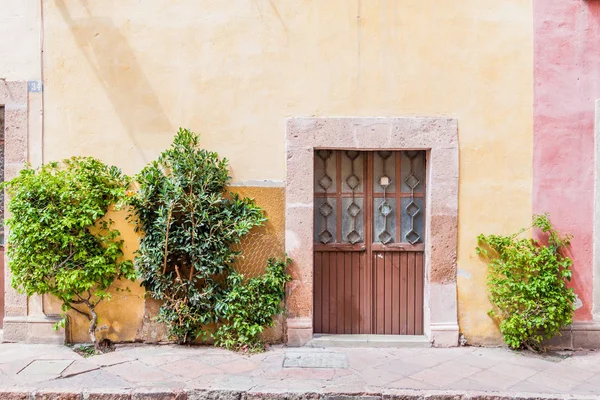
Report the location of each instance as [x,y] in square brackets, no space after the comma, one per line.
[382,341]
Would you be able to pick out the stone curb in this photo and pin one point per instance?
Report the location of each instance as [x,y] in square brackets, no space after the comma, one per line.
[161,394]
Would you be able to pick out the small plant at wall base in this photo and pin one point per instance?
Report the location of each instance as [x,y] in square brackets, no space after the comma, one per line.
[59,241]
[248,307]
[527,284]
[189,224]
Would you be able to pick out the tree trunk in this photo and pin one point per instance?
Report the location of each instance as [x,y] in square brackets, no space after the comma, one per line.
[92,329]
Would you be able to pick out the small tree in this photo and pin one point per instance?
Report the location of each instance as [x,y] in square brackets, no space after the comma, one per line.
[59,242]
[189,223]
[527,284]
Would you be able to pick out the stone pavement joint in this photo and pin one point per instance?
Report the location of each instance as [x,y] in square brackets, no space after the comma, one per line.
[170,372]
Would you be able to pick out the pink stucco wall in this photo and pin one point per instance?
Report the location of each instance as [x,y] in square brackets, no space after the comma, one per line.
[567,83]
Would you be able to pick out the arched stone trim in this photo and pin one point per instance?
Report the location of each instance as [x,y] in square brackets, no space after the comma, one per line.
[439,136]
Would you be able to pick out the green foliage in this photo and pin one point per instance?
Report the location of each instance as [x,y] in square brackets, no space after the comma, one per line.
[527,284]
[189,224]
[85,351]
[59,241]
[248,307]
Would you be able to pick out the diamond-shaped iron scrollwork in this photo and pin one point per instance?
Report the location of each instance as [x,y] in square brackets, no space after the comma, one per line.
[353,209]
[325,209]
[385,209]
[412,209]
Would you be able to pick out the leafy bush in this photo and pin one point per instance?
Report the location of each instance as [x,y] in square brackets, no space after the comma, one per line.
[189,224]
[527,284]
[59,241]
[248,307]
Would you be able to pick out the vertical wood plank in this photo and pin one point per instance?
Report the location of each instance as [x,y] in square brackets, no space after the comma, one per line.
[317,298]
[403,293]
[419,294]
[325,292]
[341,293]
[411,293]
[333,292]
[356,315]
[366,298]
[387,279]
[348,291]
[380,293]
[395,278]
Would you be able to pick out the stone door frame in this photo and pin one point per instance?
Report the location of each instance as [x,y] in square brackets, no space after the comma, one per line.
[14,98]
[439,137]
[24,318]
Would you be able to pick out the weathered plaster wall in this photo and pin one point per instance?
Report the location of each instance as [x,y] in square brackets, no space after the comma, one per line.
[122,76]
[567,83]
[20,45]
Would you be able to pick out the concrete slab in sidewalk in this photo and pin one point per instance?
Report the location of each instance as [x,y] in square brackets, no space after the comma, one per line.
[178,372]
[45,367]
[296,359]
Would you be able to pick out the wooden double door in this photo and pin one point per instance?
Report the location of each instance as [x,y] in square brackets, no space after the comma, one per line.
[368,242]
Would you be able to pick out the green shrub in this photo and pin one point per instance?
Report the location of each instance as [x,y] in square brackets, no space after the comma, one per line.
[189,224]
[527,284]
[59,242]
[248,307]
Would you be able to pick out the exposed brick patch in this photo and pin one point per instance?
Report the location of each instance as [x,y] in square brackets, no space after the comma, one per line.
[14,395]
[151,394]
[106,396]
[214,395]
[53,395]
[281,396]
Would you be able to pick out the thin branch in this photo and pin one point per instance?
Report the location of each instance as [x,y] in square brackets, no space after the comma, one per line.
[82,313]
[167,240]
[62,264]
[178,275]
[193,237]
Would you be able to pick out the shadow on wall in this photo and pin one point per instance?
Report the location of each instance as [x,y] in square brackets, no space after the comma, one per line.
[115,65]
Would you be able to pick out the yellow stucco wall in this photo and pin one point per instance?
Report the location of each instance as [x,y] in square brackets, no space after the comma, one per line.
[122,75]
[20,25]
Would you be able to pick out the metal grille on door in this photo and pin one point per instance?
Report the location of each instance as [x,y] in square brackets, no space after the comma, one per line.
[368,261]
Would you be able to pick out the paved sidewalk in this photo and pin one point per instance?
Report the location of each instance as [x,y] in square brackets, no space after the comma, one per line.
[177,372]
